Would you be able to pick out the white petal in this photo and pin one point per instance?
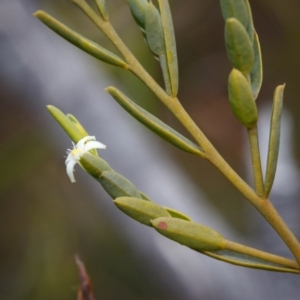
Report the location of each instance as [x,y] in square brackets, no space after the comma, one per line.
[70,169]
[80,144]
[69,157]
[93,145]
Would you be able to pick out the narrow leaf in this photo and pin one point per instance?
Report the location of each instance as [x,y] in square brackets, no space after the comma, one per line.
[137,8]
[155,39]
[154,30]
[274,139]
[241,100]
[67,125]
[177,214]
[256,74]
[140,210]
[101,4]
[154,124]
[94,165]
[235,9]
[250,27]
[145,197]
[192,235]
[238,45]
[117,185]
[80,41]
[77,124]
[248,261]
[170,42]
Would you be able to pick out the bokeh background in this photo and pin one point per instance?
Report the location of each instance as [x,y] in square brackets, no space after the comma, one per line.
[45,220]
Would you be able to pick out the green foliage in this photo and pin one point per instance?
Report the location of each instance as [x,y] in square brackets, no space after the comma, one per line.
[244,83]
[274,140]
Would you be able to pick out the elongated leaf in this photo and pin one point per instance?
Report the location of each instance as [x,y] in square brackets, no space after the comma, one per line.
[80,41]
[274,139]
[189,234]
[67,125]
[154,30]
[145,197]
[235,9]
[137,8]
[155,39]
[256,74]
[140,210]
[238,45]
[170,42]
[101,4]
[116,185]
[78,124]
[94,165]
[154,124]
[177,214]
[241,100]
[248,261]
[250,27]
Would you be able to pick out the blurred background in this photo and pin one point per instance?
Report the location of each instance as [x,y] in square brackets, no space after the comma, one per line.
[45,219]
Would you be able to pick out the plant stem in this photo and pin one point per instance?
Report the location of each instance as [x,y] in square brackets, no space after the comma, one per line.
[263,206]
[256,163]
[261,255]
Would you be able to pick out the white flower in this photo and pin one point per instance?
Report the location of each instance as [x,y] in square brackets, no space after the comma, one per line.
[83,146]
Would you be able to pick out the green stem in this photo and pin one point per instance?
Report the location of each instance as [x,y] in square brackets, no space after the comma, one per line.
[261,255]
[256,163]
[173,104]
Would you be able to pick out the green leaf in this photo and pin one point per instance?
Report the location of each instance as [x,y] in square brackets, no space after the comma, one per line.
[140,210]
[155,38]
[80,41]
[177,214]
[274,139]
[248,261]
[117,185]
[250,27]
[77,124]
[137,8]
[68,125]
[238,45]
[145,197]
[192,235]
[241,100]
[236,9]
[171,52]
[256,74]
[94,165]
[154,124]
[154,30]
[101,4]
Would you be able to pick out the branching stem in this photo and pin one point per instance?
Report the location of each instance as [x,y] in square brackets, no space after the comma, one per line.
[264,206]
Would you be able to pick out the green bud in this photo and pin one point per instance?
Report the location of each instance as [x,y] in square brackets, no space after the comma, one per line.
[192,235]
[238,45]
[241,99]
[140,210]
